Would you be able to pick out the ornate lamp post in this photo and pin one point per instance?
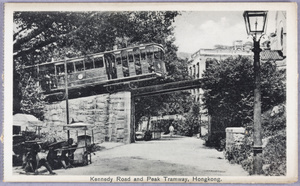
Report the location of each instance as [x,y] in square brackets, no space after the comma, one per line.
[255,25]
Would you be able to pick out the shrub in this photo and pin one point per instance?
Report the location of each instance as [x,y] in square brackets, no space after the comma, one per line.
[191,124]
[275,156]
[240,152]
[274,120]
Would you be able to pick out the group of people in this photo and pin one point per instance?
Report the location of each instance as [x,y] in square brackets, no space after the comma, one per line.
[35,157]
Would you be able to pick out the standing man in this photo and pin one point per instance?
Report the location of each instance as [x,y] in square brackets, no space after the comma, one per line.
[171,129]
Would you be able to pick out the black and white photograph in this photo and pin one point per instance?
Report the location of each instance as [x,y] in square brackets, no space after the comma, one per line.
[150,92]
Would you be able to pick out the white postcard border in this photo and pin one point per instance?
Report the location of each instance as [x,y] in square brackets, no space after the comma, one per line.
[292,78]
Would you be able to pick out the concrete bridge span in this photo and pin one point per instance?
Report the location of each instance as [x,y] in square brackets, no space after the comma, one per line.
[111,114]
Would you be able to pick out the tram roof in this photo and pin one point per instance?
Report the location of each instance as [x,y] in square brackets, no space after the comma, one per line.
[99,54]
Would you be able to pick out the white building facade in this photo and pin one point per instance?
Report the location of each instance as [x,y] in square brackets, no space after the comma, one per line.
[199,60]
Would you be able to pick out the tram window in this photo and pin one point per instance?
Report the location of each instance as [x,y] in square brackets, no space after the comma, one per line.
[137,56]
[89,64]
[60,69]
[99,62]
[143,54]
[138,69]
[113,63]
[149,53]
[124,59]
[49,80]
[50,69]
[157,53]
[70,67]
[79,66]
[112,59]
[130,57]
[41,74]
[42,68]
[118,59]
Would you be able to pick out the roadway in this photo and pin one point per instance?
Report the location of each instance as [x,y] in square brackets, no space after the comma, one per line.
[177,156]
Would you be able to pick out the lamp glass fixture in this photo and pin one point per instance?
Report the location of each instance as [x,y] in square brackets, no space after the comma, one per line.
[255,21]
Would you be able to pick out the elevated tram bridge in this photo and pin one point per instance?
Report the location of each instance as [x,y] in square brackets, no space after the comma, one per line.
[96,85]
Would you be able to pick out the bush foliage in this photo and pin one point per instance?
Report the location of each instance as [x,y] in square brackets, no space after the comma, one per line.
[241,154]
[275,156]
[274,153]
[191,124]
[228,96]
[228,90]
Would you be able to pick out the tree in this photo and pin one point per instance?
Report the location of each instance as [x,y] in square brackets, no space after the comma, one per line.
[191,124]
[40,37]
[44,36]
[228,90]
[32,98]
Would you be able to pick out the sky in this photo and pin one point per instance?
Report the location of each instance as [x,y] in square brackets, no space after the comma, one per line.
[195,30]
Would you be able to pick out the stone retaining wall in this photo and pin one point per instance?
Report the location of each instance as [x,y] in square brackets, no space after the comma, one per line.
[109,114]
[234,136]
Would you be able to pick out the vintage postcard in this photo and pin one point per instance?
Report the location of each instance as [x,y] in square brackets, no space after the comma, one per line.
[150,92]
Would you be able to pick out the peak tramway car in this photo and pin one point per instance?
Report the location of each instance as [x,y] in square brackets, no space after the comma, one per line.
[108,69]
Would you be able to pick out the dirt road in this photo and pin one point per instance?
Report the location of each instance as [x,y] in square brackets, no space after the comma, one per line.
[179,156]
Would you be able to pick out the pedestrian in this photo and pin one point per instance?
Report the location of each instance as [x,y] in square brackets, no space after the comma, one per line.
[32,161]
[53,156]
[171,129]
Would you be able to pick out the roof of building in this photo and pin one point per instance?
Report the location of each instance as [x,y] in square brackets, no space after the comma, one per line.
[270,55]
[220,52]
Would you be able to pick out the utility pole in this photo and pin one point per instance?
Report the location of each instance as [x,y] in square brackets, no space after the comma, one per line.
[67,94]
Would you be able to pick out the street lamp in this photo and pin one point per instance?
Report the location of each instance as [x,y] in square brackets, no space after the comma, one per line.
[255,25]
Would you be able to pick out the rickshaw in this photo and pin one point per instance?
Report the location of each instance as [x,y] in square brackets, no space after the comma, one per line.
[26,129]
[81,154]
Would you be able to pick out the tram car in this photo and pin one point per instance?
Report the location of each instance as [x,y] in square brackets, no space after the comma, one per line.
[132,64]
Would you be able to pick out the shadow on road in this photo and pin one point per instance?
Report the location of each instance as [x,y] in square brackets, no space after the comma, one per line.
[166,139]
[173,137]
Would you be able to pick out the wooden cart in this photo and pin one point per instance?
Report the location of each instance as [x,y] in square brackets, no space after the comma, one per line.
[82,153]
